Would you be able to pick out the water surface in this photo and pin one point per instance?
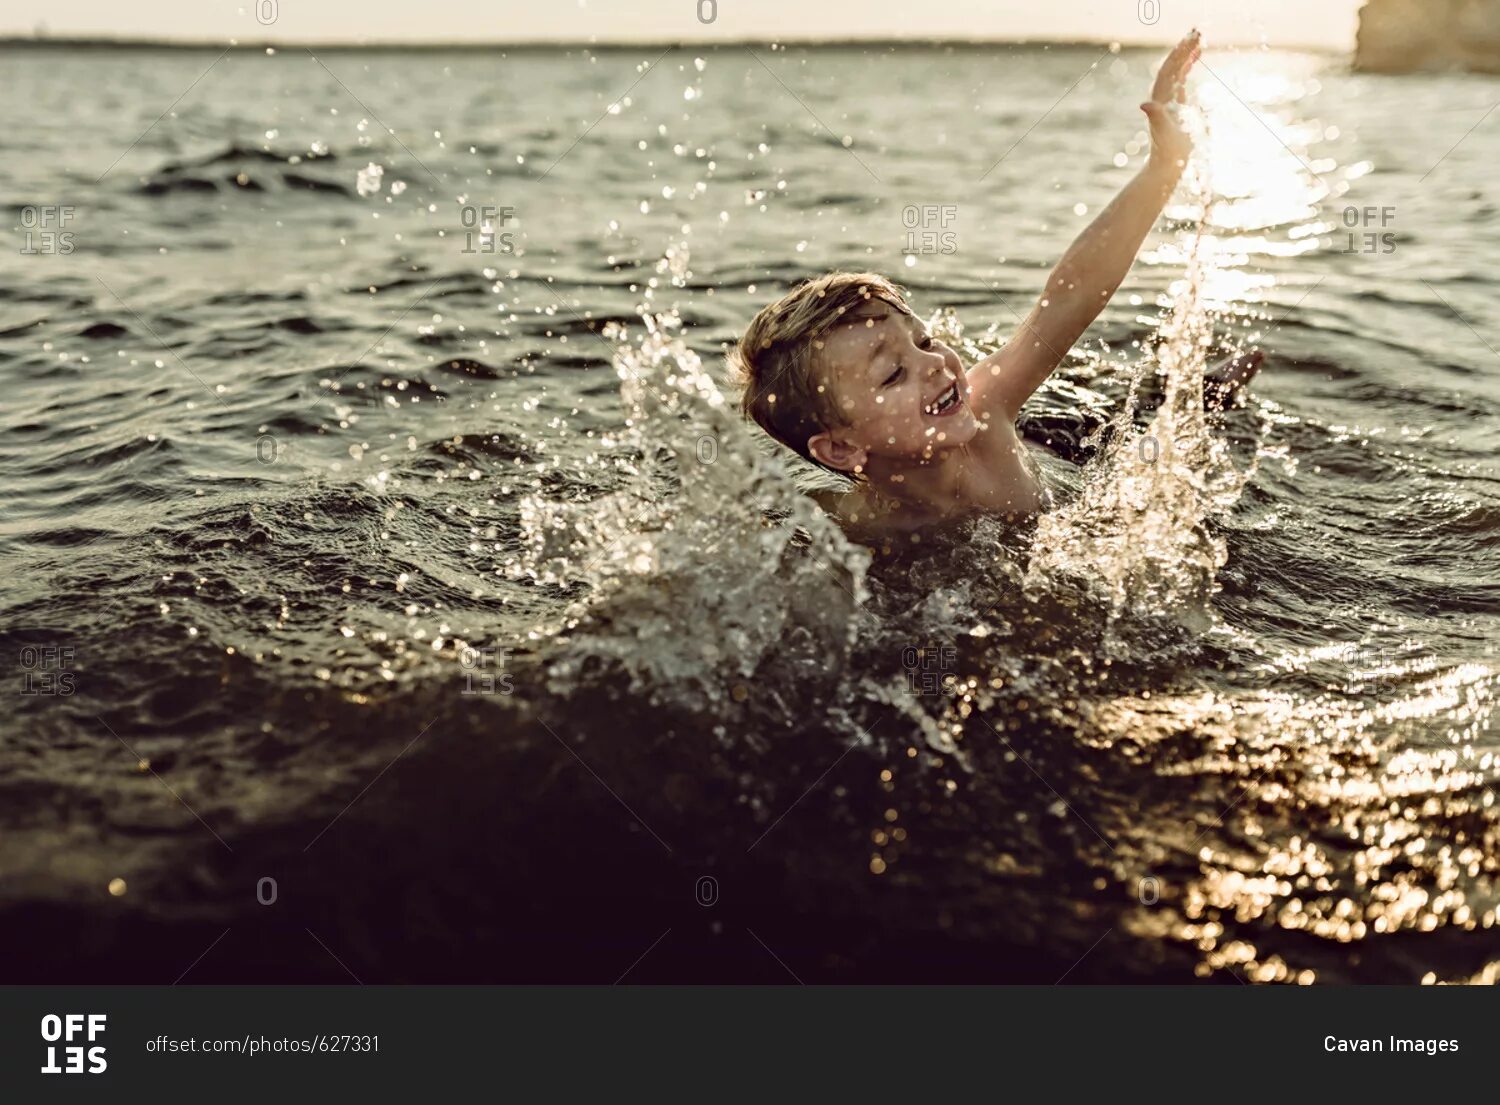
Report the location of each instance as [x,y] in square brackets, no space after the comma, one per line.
[374,569]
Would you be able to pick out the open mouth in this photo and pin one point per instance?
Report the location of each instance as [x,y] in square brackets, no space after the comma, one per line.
[946,403]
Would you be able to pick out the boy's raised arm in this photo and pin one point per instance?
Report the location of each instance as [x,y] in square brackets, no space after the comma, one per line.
[1097,261]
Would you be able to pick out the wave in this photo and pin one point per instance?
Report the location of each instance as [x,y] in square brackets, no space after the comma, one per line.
[251,169]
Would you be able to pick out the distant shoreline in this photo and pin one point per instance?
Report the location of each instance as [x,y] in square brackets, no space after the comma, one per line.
[60,42]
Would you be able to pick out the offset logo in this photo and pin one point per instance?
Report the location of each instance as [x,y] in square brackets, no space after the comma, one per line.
[76,1058]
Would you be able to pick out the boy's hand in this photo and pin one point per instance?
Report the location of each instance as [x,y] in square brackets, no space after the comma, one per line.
[1170,143]
[1097,261]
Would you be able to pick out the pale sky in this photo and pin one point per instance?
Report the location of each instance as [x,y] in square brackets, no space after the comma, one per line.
[1323,23]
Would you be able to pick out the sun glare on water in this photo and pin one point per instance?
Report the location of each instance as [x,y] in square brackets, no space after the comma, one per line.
[1261,159]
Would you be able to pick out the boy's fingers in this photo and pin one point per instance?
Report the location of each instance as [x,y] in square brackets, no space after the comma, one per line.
[1173,72]
[1186,52]
[1187,43]
[1171,78]
[1171,82]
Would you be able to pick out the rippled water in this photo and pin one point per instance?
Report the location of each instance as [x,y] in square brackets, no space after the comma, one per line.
[368,552]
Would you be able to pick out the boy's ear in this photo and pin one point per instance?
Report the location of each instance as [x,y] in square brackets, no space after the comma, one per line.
[828,449]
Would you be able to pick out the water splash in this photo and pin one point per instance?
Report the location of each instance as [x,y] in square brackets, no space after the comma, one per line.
[707,568]
[709,576]
[1137,535]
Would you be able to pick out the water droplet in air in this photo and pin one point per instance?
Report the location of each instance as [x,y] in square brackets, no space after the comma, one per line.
[368,182]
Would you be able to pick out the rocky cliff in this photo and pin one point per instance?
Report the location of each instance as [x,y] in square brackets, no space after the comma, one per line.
[1401,36]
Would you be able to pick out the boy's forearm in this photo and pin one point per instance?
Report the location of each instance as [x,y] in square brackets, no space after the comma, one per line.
[1096,263]
[1077,290]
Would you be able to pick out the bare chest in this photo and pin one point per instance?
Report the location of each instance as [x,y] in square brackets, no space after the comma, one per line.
[1002,475]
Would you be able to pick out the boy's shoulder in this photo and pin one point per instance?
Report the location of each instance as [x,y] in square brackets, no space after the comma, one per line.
[850,509]
[837,503]
[861,521]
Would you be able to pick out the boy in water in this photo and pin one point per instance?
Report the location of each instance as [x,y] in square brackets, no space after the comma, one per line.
[843,372]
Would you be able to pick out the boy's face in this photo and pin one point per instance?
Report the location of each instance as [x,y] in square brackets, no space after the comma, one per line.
[900,394]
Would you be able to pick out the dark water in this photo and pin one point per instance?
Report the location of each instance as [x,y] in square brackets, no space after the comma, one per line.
[335,575]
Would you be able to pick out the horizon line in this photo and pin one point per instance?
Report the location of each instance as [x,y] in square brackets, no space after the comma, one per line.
[470,46]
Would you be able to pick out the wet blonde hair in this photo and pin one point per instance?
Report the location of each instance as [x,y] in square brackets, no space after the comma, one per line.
[776,360]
